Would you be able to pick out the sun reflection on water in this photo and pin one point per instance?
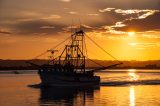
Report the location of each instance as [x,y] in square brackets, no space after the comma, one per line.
[131,70]
[132,75]
[132,96]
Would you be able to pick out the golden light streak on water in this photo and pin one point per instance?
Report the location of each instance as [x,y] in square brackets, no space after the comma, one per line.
[133,76]
[131,70]
[132,96]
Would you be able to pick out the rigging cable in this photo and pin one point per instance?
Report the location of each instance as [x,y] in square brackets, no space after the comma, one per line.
[85,46]
[102,48]
[95,62]
[52,48]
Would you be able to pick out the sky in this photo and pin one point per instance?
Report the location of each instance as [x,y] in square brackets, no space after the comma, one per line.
[127,29]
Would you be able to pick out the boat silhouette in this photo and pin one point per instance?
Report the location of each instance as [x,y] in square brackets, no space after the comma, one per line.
[69,68]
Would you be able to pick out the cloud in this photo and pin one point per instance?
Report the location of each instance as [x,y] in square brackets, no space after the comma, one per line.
[111,18]
[75,27]
[148,13]
[120,21]
[44,27]
[54,16]
[106,10]
[144,13]
[143,24]
[125,12]
[47,27]
[151,34]
[93,14]
[143,46]
[2,31]
[73,12]
[140,13]
[37,27]
[65,0]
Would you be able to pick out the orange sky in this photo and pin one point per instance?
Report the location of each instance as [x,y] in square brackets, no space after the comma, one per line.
[126,30]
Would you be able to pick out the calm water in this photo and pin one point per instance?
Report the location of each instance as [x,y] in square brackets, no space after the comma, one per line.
[118,88]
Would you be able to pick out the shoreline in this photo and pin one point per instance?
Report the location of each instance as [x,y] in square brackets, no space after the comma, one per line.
[32,68]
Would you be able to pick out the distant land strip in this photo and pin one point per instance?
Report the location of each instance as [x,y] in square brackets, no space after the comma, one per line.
[22,65]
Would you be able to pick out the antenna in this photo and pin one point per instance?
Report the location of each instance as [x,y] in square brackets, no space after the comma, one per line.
[72,26]
[80,25]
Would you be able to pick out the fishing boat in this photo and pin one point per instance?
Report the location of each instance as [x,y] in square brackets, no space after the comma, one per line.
[69,68]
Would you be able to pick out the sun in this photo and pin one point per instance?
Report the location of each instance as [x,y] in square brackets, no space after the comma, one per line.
[131,34]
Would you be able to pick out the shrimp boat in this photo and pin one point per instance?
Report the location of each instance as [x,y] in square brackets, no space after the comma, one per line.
[69,68]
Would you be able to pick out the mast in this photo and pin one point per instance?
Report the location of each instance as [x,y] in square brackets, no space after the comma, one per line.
[73,53]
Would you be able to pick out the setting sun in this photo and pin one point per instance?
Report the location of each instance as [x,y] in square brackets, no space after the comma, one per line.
[131,34]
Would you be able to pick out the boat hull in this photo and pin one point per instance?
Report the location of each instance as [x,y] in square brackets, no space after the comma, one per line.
[52,79]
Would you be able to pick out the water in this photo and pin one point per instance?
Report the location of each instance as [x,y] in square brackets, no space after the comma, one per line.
[118,88]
